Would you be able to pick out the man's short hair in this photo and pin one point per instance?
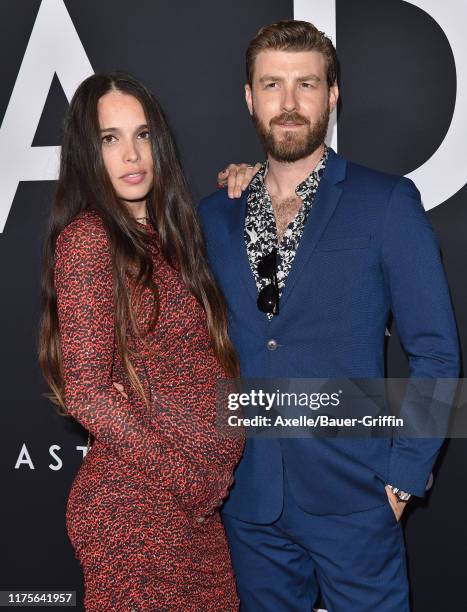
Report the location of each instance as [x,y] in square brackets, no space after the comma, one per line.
[292,36]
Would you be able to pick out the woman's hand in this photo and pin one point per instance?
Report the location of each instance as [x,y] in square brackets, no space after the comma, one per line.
[202,518]
[120,388]
[236,177]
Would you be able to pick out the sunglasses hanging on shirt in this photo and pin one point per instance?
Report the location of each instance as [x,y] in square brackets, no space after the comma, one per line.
[268,297]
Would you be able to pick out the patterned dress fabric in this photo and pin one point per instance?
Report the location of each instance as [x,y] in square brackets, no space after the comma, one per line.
[260,224]
[153,468]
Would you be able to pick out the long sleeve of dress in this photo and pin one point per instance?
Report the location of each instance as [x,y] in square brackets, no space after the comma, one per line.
[85,304]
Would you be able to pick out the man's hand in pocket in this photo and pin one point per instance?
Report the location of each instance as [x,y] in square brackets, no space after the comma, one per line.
[397,506]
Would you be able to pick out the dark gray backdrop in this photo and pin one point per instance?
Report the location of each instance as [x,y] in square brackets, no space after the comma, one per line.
[393,115]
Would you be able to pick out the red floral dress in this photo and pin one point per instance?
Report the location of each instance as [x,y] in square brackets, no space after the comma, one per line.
[133,507]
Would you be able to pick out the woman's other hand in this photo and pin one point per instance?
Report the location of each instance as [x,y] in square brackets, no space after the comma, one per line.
[120,388]
[236,177]
[202,518]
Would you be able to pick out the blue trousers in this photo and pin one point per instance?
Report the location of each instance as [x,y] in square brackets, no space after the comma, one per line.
[358,561]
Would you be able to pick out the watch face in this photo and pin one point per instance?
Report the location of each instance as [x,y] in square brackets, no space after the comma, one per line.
[403,496]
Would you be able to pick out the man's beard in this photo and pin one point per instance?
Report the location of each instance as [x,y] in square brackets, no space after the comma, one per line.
[292,146]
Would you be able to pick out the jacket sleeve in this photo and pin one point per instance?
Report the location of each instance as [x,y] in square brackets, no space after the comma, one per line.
[85,306]
[423,314]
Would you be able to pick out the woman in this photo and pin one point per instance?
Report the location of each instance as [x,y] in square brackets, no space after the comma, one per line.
[128,296]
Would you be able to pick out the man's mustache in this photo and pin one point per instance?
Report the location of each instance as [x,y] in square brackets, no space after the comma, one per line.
[289,118]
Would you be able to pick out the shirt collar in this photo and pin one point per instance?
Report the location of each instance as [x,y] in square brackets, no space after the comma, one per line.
[257,182]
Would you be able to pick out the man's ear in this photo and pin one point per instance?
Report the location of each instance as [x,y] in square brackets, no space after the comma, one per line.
[249,98]
[333,96]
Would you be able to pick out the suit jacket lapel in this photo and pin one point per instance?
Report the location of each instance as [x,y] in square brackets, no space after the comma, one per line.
[239,253]
[326,200]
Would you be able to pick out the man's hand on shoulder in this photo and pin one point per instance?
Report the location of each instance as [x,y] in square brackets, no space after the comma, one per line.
[236,177]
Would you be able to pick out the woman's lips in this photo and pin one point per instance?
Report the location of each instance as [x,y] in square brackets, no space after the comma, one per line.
[134,178]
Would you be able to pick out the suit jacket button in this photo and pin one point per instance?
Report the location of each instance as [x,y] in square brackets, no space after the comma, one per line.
[272,345]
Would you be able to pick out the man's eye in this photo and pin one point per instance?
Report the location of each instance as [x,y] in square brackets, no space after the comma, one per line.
[108,139]
[271,85]
[308,85]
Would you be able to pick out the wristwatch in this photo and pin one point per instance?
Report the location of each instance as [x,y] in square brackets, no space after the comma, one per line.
[402,496]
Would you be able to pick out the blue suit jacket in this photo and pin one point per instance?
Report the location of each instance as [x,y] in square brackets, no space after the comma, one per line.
[367,249]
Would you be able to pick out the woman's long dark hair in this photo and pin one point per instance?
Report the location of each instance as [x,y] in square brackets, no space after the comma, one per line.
[84,185]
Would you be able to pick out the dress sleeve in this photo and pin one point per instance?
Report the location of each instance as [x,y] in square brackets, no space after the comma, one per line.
[85,306]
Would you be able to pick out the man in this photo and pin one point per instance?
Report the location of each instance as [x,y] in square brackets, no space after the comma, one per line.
[352,245]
